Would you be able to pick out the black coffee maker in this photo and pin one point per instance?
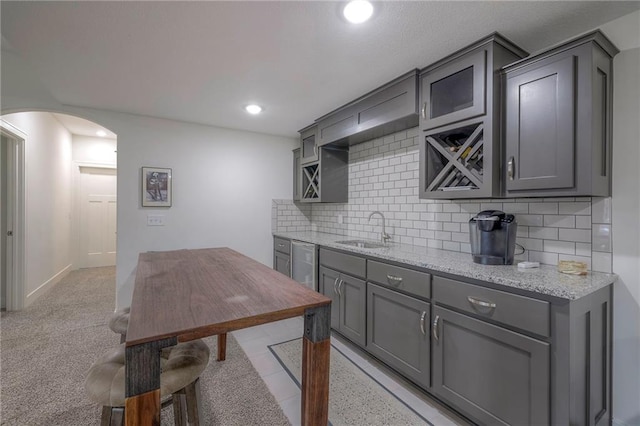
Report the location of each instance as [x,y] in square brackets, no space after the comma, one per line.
[493,237]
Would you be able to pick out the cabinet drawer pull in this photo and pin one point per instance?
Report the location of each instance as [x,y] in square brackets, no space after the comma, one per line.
[424,111]
[339,286]
[422,318]
[481,303]
[280,245]
[511,168]
[434,328]
[335,283]
[394,280]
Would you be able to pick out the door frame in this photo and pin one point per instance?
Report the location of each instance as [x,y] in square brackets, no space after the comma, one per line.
[17,202]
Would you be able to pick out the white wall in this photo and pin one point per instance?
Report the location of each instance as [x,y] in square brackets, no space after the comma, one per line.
[48,200]
[223,183]
[625,33]
[94,150]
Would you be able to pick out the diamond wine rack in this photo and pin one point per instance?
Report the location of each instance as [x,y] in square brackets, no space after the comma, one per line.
[311,182]
[455,159]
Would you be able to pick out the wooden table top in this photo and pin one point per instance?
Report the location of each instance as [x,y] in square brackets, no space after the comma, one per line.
[190,294]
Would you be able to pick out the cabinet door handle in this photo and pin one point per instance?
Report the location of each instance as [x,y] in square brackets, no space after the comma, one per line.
[339,286]
[288,263]
[511,168]
[434,328]
[422,319]
[394,280]
[335,284]
[481,303]
[423,111]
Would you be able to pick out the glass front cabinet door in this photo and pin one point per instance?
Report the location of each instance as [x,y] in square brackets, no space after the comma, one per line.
[308,145]
[454,92]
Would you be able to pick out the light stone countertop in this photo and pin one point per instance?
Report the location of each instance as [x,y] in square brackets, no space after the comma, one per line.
[544,280]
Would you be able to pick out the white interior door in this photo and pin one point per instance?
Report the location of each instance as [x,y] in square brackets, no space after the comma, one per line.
[97,217]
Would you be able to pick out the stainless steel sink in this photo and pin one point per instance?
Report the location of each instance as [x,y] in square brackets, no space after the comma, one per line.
[362,244]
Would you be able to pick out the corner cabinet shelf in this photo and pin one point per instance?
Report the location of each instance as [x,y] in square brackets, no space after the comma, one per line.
[460,121]
[326,180]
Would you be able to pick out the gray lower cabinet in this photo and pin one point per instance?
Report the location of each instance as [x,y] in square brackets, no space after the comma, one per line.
[398,332]
[282,255]
[558,120]
[489,373]
[348,296]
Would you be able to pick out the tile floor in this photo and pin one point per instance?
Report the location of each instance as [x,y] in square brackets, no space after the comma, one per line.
[255,342]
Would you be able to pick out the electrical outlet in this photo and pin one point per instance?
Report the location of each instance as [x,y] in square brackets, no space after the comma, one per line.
[155,220]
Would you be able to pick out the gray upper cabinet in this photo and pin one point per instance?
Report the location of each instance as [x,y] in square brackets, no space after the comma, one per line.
[326,180]
[297,177]
[558,120]
[460,121]
[308,144]
[455,91]
[388,109]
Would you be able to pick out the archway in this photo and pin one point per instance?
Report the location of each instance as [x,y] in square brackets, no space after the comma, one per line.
[62,162]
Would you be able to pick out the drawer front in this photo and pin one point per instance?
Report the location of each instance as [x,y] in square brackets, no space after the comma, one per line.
[282,245]
[413,282]
[517,311]
[352,265]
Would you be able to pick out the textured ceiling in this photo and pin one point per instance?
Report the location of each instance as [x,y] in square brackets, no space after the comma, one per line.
[203,61]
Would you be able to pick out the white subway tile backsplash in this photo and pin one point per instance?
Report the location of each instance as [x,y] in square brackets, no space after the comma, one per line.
[601,262]
[530,219]
[543,208]
[601,237]
[560,221]
[583,222]
[565,247]
[601,210]
[583,249]
[577,208]
[383,175]
[577,235]
[543,233]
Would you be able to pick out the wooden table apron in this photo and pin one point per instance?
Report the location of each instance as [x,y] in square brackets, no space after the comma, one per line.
[189,294]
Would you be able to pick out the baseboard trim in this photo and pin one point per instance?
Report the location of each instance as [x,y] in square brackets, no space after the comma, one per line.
[42,289]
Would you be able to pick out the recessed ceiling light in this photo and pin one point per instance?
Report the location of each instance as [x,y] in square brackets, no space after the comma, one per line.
[253,109]
[101,133]
[358,11]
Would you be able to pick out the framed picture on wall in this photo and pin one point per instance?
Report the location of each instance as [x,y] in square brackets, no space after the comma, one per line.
[156,187]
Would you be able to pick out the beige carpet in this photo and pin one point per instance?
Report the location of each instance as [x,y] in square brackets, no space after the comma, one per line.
[47,349]
[355,398]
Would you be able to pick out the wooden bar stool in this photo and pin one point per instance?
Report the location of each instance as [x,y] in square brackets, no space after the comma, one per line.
[181,366]
[119,322]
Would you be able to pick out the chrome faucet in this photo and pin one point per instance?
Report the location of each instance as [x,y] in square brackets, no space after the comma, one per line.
[383,236]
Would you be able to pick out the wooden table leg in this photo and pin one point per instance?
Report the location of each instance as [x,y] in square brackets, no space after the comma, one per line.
[222,346]
[142,382]
[316,344]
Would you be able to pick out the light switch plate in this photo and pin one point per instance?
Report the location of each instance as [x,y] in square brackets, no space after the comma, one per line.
[155,220]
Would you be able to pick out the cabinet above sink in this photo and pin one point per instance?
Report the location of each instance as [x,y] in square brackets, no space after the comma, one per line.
[388,109]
